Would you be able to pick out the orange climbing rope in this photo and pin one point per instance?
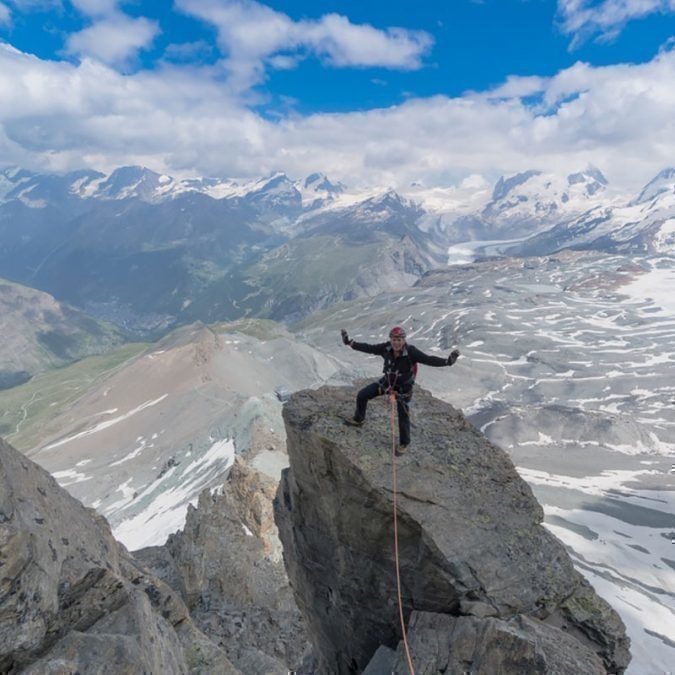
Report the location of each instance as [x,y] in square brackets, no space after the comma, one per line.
[392,400]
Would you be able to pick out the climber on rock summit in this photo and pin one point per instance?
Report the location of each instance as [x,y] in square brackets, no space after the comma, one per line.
[399,371]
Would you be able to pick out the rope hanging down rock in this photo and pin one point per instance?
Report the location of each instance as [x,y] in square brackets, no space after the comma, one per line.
[392,417]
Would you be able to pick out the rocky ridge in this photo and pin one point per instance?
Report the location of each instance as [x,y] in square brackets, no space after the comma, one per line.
[214,600]
[226,566]
[74,600]
[485,586]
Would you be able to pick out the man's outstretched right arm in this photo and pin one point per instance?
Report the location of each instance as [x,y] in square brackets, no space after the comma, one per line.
[362,346]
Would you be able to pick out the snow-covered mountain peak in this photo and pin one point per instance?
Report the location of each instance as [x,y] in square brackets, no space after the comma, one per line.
[9,179]
[592,180]
[38,190]
[662,183]
[533,199]
[318,191]
[276,196]
[536,185]
[84,183]
[380,207]
[506,185]
[389,199]
[314,179]
[273,182]
[15,174]
[320,182]
[132,181]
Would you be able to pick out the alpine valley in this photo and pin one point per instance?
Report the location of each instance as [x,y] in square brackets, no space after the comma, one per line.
[152,328]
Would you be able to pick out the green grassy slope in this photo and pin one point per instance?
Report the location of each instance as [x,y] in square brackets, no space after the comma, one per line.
[27,410]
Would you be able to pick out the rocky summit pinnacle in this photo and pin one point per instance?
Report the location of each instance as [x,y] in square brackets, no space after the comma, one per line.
[485,587]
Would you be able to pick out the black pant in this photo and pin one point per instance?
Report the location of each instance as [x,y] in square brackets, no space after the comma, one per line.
[403,396]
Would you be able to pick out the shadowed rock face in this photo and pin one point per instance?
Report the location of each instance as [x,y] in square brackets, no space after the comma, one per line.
[73,600]
[440,643]
[471,541]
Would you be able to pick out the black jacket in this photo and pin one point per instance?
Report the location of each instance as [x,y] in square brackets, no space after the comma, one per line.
[399,371]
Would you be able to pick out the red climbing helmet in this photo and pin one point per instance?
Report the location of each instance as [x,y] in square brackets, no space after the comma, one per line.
[397,331]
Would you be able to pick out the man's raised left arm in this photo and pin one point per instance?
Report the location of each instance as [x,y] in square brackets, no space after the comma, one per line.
[429,360]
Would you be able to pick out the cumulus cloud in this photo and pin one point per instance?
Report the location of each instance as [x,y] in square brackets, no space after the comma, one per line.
[606,19]
[252,35]
[346,44]
[96,8]
[5,15]
[115,39]
[181,120]
[520,87]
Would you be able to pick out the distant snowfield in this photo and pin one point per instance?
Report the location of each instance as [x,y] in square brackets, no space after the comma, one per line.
[629,560]
[167,500]
[106,424]
[657,285]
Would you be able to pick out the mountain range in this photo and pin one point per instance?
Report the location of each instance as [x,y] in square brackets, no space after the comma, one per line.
[149,252]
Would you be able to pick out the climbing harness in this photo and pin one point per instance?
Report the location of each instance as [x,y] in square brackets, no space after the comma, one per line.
[388,385]
[392,417]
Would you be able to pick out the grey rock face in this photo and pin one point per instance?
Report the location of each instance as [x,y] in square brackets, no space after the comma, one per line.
[73,600]
[440,643]
[470,538]
[225,564]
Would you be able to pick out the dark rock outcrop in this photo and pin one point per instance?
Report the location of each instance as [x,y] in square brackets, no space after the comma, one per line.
[472,549]
[74,600]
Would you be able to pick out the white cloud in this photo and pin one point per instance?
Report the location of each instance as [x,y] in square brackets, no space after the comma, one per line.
[185,120]
[5,15]
[96,8]
[520,87]
[114,40]
[88,7]
[475,182]
[606,19]
[252,35]
[346,44]
[188,51]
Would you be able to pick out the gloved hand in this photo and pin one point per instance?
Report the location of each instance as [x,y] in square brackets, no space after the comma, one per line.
[454,355]
[345,337]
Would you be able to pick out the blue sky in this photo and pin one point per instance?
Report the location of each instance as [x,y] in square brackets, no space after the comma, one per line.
[369,92]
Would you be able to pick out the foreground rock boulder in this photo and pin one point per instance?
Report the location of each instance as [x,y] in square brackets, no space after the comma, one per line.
[486,588]
[73,600]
